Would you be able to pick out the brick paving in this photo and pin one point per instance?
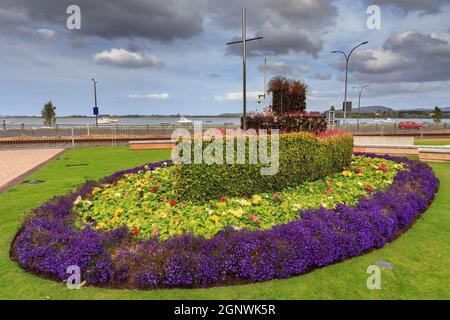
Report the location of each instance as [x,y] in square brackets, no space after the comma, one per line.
[16,163]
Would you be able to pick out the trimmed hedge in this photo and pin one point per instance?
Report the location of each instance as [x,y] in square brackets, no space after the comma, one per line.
[302,157]
[286,123]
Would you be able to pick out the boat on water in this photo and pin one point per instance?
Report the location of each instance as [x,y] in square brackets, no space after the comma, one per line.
[107,120]
[184,120]
[387,120]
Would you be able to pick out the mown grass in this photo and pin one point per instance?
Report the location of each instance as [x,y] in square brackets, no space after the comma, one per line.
[432,142]
[421,257]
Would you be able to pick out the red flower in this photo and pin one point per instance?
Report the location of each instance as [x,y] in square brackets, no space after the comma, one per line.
[277,196]
[223,199]
[172,202]
[253,218]
[357,170]
[135,231]
[369,188]
[154,189]
[330,190]
[383,168]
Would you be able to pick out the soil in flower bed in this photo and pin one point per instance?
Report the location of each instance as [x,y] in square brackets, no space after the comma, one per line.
[145,203]
[49,242]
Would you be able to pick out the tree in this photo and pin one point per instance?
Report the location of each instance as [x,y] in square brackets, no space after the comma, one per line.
[48,114]
[437,115]
[288,95]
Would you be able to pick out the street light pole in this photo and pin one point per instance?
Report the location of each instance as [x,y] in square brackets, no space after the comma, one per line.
[264,95]
[347,58]
[359,101]
[95,99]
[265,84]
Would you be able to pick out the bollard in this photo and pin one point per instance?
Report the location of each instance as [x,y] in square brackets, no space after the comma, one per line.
[73,139]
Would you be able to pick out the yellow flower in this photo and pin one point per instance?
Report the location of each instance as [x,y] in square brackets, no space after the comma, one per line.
[238,213]
[296,207]
[119,212]
[215,219]
[96,190]
[101,225]
[347,173]
[163,215]
[398,166]
[244,203]
[256,199]
[220,204]
[115,220]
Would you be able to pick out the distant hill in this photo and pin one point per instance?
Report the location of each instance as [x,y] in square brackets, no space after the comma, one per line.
[446,109]
[374,109]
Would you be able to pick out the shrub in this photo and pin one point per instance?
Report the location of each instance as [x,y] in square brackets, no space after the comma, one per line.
[302,157]
[286,123]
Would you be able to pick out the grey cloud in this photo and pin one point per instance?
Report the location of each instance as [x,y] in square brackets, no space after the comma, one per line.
[280,41]
[426,6]
[406,57]
[322,76]
[275,67]
[163,20]
[287,25]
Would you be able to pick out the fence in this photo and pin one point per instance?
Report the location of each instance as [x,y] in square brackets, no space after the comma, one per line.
[392,128]
[18,137]
[76,136]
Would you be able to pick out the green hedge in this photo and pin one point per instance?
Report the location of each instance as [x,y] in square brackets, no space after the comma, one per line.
[302,157]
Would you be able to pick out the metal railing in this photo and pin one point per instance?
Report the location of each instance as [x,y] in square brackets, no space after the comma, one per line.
[22,136]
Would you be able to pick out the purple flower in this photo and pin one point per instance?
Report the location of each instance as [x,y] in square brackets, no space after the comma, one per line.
[48,243]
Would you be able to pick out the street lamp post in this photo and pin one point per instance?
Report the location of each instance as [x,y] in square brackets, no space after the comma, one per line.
[347,58]
[95,99]
[265,86]
[359,100]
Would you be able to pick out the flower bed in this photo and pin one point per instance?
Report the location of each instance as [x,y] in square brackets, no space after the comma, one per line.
[48,242]
[146,203]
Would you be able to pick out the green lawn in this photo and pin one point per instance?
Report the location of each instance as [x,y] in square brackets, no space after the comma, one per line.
[432,142]
[421,256]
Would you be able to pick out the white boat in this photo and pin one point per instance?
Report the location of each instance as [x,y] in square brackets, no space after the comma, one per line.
[184,120]
[107,120]
[387,120]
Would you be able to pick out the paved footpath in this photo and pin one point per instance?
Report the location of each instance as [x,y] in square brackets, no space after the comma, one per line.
[16,164]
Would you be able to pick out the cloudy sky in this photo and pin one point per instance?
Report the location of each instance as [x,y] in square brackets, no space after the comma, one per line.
[169,56]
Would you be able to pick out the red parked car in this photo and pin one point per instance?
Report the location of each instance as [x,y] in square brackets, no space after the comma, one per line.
[410,125]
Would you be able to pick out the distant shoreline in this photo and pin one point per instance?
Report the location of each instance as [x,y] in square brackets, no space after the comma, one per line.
[130,116]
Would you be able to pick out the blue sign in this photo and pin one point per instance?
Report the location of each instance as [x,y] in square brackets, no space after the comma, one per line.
[95,111]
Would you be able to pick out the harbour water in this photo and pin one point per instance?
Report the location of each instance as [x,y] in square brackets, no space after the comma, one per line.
[154,121]
[124,121]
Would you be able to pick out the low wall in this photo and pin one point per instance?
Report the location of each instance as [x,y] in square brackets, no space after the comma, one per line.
[431,154]
[152,145]
[385,140]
